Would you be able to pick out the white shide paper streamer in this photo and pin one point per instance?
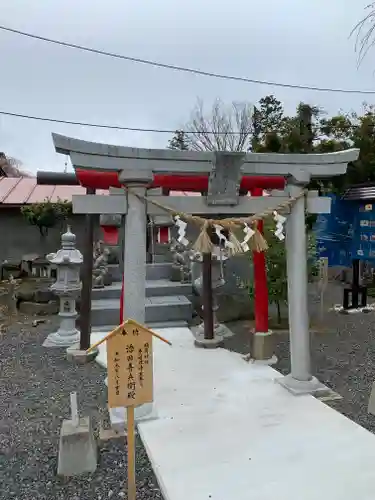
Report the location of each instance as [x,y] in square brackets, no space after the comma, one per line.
[181,230]
[249,233]
[280,221]
[222,237]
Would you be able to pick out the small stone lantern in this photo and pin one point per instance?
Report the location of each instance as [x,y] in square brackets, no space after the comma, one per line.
[67,287]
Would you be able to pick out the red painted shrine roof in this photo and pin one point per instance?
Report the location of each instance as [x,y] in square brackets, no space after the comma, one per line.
[25,190]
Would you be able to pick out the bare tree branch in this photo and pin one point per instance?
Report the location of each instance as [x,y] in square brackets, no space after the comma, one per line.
[364,32]
[224,128]
[12,167]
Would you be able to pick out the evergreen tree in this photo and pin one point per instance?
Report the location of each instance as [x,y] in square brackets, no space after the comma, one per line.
[179,141]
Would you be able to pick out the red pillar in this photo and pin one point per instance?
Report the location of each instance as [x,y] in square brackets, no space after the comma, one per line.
[260,282]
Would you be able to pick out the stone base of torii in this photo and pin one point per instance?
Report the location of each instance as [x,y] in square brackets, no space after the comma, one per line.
[136,168]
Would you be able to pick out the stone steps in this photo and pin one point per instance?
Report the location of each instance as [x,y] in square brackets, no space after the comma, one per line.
[154,271]
[161,309]
[115,272]
[166,302]
[159,270]
[159,259]
[154,288]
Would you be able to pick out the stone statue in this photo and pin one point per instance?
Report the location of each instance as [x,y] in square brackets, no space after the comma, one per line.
[181,262]
[101,276]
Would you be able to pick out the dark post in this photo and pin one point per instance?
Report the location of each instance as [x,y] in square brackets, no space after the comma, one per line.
[85,310]
[355,290]
[306,133]
[208,316]
[355,283]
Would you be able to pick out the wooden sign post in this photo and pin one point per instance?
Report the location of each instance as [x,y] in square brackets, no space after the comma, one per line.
[130,378]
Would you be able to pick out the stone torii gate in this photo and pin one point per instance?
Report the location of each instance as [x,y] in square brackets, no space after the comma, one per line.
[136,168]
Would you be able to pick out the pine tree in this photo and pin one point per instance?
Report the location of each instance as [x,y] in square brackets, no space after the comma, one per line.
[179,141]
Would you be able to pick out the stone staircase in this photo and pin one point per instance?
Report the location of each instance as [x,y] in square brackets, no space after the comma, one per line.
[167,303]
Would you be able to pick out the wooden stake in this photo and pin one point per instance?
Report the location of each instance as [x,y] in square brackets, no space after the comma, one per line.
[74,408]
[131,453]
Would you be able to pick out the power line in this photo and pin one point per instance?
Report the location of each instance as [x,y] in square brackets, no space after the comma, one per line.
[184,69]
[152,130]
[93,125]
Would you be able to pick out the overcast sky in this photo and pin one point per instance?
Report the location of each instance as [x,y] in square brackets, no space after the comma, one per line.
[290,41]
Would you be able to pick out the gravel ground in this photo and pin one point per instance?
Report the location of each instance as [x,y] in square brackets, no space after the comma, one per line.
[34,392]
[343,357]
[34,399]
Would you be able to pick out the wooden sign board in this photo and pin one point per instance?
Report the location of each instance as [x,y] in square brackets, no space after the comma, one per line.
[130,364]
[130,367]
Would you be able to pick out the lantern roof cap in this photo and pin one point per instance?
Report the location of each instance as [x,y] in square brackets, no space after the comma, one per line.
[68,239]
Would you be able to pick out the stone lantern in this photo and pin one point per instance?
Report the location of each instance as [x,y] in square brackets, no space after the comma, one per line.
[67,287]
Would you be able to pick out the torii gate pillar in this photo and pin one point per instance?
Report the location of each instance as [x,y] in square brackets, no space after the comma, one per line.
[300,380]
[135,232]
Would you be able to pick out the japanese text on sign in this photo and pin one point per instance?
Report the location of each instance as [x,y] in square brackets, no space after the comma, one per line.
[130,370]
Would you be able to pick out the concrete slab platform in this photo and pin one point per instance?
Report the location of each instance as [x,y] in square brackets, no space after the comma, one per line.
[225,429]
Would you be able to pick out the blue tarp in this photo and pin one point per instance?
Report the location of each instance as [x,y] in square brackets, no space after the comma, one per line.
[347,233]
[363,242]
[334,232]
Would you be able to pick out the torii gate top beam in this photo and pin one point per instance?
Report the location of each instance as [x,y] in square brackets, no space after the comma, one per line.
[95,156]
[197,183]
[107,180]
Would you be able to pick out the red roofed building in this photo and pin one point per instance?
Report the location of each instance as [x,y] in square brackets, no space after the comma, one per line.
[19,237]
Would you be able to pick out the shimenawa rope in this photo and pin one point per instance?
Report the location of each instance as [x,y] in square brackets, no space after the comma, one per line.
[204,244]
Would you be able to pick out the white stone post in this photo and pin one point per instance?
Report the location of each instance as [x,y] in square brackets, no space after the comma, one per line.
[300,380]
[135,256]
[134,269]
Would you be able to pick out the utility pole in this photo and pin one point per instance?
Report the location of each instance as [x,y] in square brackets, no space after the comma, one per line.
[306,132]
